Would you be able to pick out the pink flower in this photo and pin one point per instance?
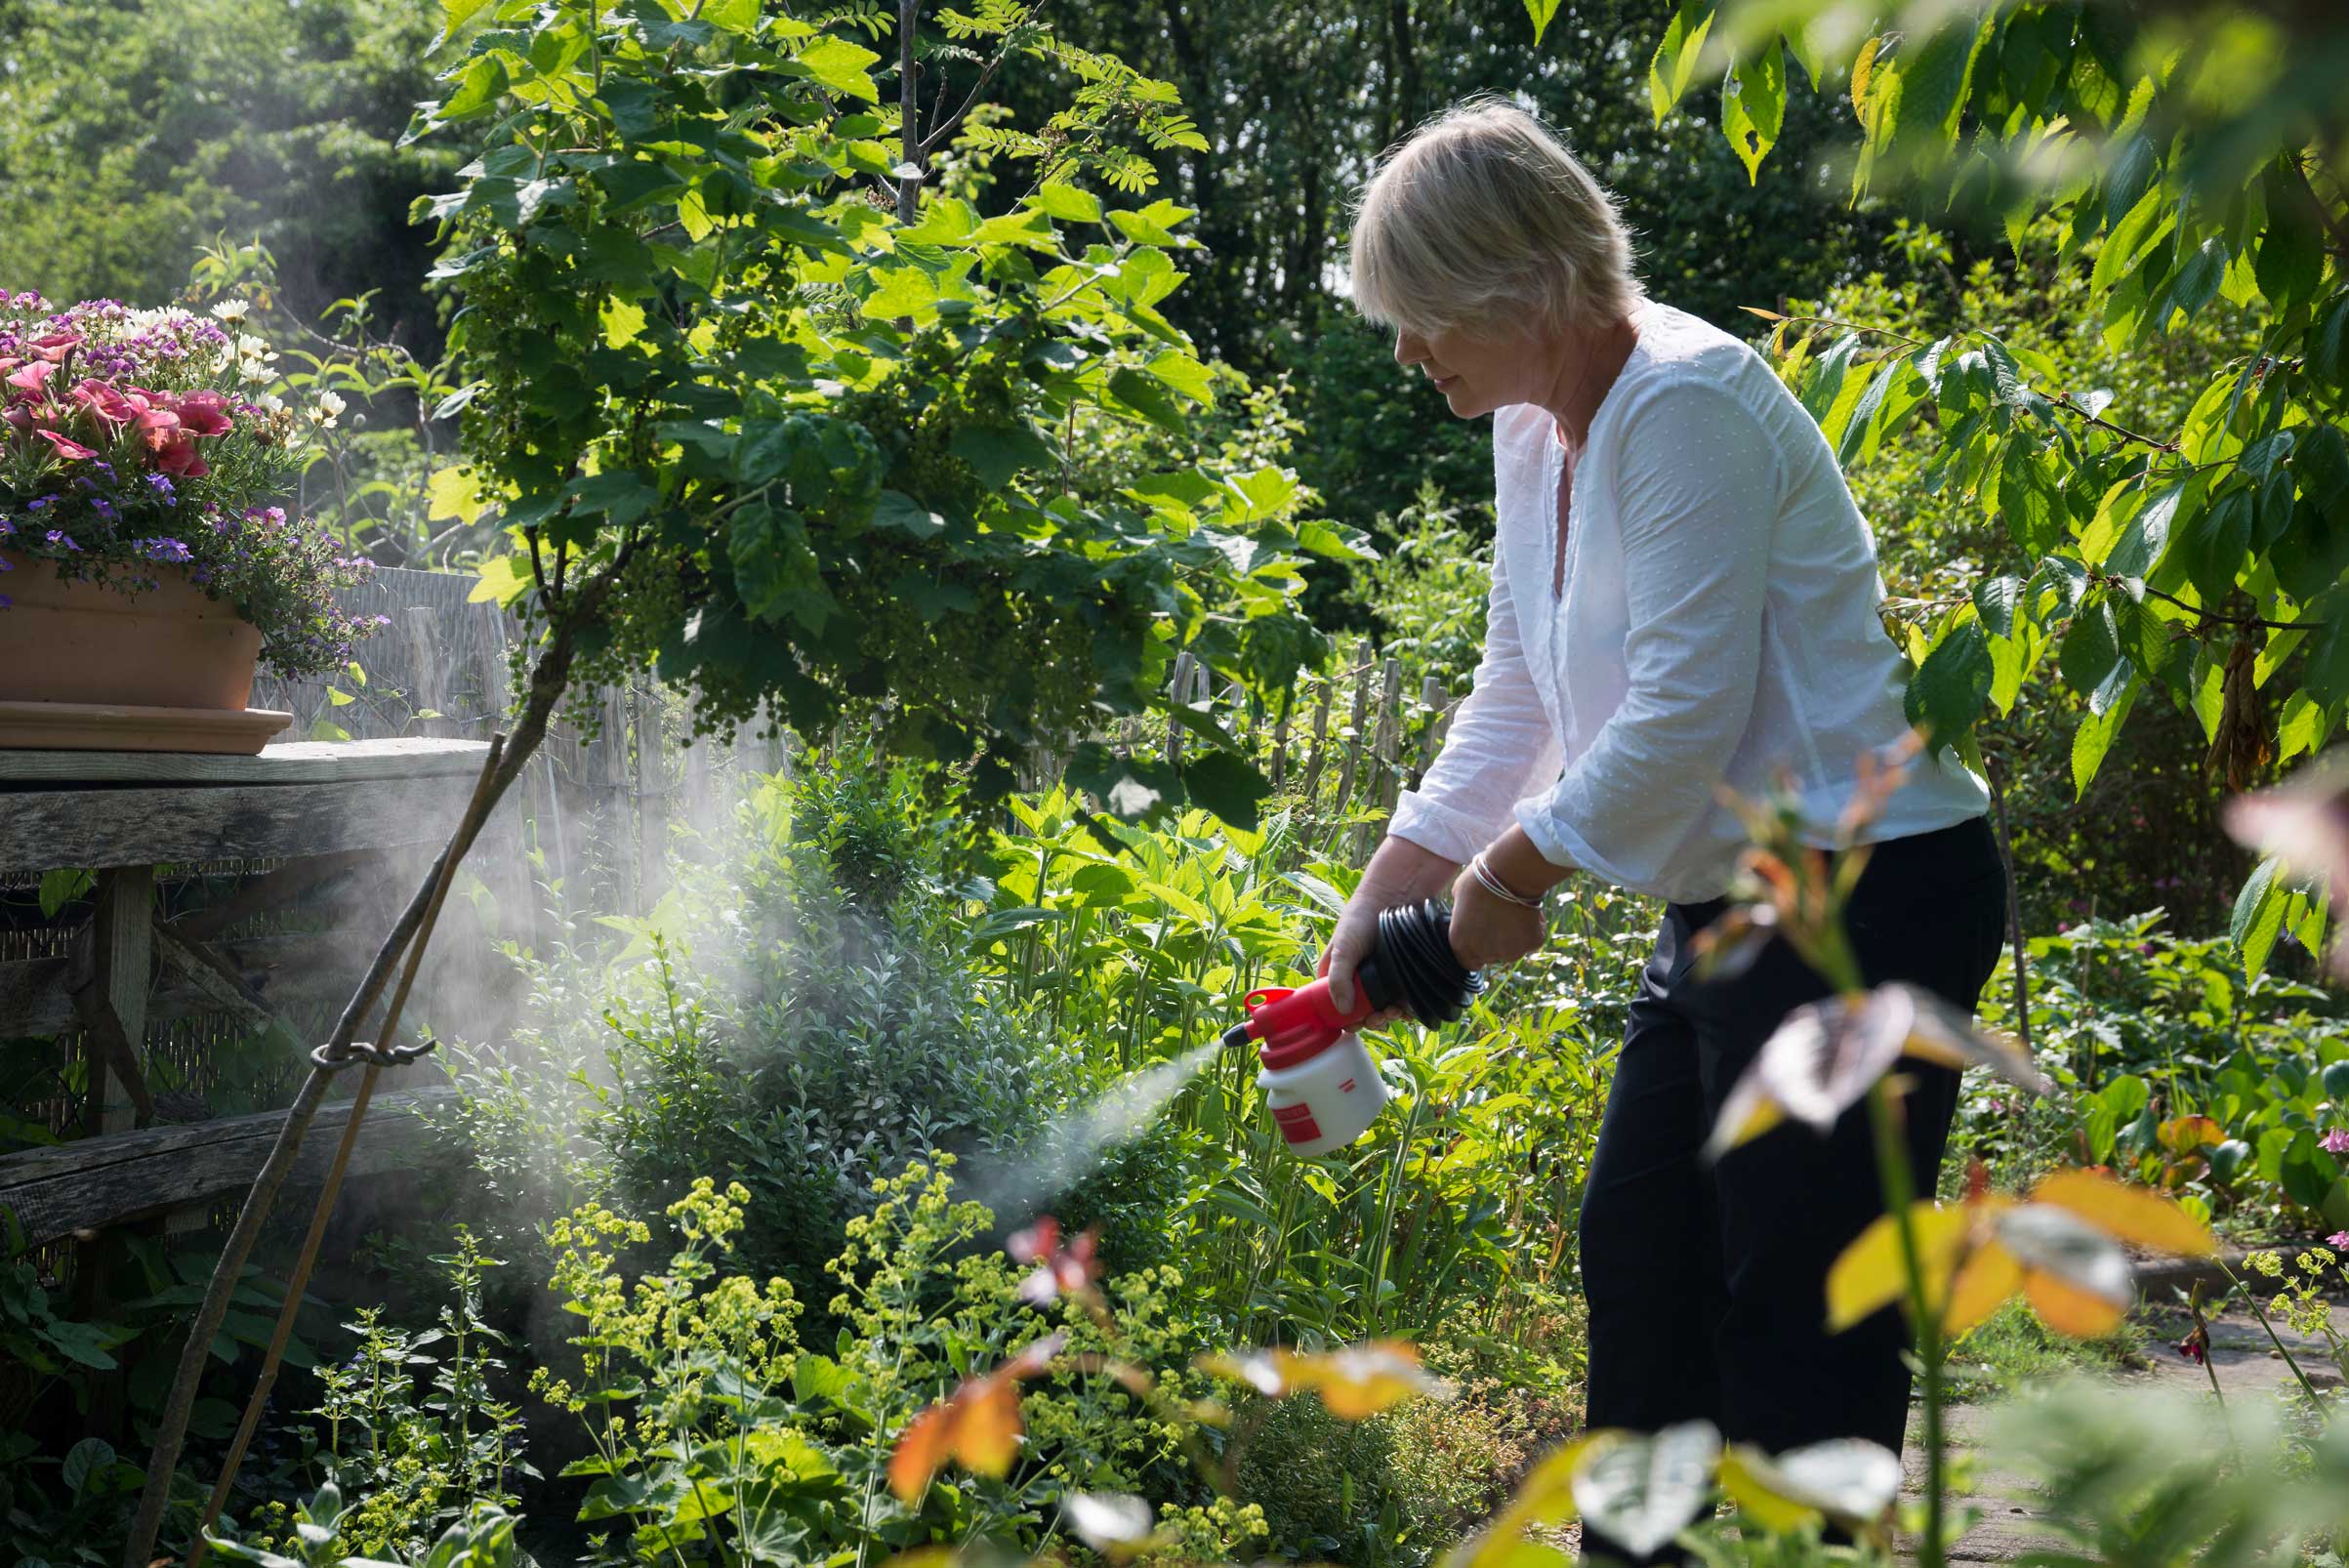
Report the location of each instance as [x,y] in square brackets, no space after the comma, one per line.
[107,404]
[29,379]
[1056,1270]
[66,447]
[2338,1240]
[178,455]
[2336,1141]
[18,416]
[203,413]
[56,346]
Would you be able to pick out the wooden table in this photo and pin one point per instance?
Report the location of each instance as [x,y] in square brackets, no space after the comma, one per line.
[314,804]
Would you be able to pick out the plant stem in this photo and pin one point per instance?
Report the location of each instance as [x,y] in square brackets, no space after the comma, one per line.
[1892,1166]
[2289,1360]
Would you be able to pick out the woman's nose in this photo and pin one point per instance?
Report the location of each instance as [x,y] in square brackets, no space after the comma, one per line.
[1409,351]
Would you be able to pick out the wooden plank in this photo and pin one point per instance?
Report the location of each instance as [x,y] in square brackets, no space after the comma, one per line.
[297,761]
[122,942]
[35,1003]
[41,830]
[93,1183]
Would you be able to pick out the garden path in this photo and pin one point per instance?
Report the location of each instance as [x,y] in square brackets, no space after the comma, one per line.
[2247,1367]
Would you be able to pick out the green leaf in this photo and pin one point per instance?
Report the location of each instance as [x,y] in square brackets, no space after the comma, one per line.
[63,885]
[503,580]
[2290,265]
[477,90]
[1147,398]
[1935,78]
[998,453]
[895,509]
[2089,657]
[2259,917]
[1541,11]
[1184,374]
[2195,285]
[1947,693]
[2095,735]
[1674,64]
[901,291]
[1065,203]
[1753,109]
[84,1460]
[840,65]
[1227,784]
[455,14]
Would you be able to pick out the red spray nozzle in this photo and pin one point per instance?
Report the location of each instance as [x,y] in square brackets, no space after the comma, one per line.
[1294,1025]
[1411,965]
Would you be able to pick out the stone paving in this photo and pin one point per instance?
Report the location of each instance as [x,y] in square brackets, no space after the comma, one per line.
[2247,1366]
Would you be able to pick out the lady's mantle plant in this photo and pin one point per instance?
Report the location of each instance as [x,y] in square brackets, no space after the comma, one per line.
[136,441]
[803,448]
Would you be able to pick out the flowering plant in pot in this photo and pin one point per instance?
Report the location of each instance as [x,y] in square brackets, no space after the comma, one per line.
[142,563]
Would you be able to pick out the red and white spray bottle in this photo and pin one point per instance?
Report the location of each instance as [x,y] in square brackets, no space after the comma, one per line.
[1319,1082]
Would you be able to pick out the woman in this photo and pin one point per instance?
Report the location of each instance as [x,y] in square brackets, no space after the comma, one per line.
[1683,597]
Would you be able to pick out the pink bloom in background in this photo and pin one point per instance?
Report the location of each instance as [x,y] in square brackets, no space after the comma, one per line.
[203,413]
[29,378]
[56,346]
[2336,1141]
[19,417]
[66,447]
[158,428]
[2338,1239]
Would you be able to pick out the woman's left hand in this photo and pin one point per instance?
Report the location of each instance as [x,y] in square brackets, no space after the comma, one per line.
[1487,930]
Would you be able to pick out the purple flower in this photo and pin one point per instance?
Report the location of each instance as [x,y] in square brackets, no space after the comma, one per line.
[165,550]
[160,483]
[2338,1239]
[104,509]
[2336,1141]
[8,529]
[59,536]
[40,502]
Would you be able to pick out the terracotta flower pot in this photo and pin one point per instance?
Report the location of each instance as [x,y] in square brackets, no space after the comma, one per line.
[70,649]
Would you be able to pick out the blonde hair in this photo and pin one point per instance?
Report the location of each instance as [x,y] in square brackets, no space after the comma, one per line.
[1482,216]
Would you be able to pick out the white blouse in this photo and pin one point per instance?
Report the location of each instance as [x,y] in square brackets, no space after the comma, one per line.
[1718,625]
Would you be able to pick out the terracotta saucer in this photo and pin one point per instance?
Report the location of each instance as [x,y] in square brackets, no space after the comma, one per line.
[90,726]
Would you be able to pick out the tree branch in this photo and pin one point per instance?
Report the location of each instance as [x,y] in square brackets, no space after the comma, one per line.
[2211,615]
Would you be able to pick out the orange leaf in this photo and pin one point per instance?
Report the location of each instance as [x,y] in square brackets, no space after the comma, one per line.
[986,1439]
[2129,1214]
[2183,1134]
[1985,1282]
[2069,1310]
[1360,1380]
[921,1449]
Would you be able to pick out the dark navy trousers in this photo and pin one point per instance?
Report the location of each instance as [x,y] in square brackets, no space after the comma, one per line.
[1705,1284]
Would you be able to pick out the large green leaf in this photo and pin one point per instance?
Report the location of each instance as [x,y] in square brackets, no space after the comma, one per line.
[1947,693]
[840,65]
[1753,109]
[1674,64]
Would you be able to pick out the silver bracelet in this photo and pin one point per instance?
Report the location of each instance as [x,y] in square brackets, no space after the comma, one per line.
[1493,884]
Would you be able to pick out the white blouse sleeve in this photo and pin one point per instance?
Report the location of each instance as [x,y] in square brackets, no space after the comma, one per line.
[1696,490]
[1501,741]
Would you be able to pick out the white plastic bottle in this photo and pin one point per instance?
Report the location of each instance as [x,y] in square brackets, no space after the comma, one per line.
[1324,1099]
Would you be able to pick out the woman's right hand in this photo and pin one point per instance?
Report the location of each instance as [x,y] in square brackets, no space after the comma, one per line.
[1400,873]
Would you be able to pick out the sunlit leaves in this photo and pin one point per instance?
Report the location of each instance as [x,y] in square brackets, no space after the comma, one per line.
[1646,1489]
[1753,107]
[1674,64]
[841,66]
[1355,1383]
[2060,1248]
[977,1426]
[1826,1055]
[1541,11]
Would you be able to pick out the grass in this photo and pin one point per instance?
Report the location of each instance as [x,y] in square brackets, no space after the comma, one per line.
[2013,1350]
